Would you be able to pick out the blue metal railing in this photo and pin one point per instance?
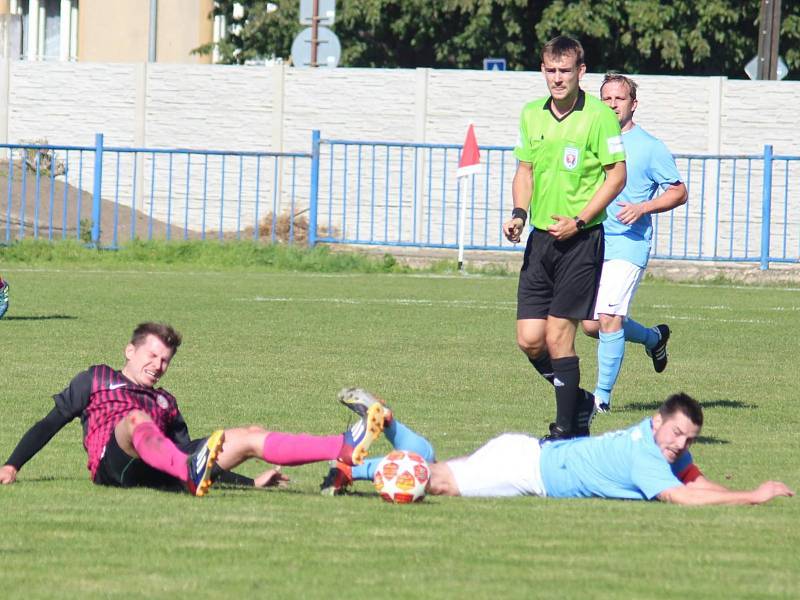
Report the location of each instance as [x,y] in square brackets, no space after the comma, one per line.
[149,193]
[741,208]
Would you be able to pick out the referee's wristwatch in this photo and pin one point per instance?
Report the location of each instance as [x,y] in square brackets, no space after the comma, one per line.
[580,223]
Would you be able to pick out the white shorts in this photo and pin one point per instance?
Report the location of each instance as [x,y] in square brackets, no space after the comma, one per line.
[507,465]
[618,283]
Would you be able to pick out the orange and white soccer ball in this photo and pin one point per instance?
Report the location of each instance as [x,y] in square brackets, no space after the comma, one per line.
[401,477]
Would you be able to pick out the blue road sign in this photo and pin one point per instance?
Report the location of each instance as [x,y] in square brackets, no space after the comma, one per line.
[494,64]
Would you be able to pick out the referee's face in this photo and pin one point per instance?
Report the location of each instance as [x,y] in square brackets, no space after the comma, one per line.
[562,75]
[146,363]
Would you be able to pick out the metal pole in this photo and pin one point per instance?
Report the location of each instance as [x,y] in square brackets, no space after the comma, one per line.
[769,33]
[766,207]
[314,32]
[152,31]
[314,192]
[97,191]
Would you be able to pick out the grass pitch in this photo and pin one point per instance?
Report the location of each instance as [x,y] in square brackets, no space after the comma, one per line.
[274,348]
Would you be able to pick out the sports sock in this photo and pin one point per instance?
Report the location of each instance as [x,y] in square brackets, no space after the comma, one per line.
[292,449]
[567,378]
[158,451]
[610,352]
[403,438]
[543,365]
[639,334]
[365,471]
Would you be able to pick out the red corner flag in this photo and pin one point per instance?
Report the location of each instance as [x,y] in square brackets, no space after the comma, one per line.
[469,163]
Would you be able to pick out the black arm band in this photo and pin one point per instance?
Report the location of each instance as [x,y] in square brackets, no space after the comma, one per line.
[520,213]
[36,438]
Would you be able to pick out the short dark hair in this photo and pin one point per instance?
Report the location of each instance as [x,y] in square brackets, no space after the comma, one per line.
[617,78]
[561,45]
[166,333]
[682,403]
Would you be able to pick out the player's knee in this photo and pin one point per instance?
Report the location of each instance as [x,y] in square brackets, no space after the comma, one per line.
[533,347]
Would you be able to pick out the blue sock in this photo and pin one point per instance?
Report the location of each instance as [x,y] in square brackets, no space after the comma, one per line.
[401,438]
[610,352]
[639,334]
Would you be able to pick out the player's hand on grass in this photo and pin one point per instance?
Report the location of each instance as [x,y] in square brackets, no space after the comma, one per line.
[563,228]
[769,490]
[8,474]
[512,229]
[272,478]
[629,213]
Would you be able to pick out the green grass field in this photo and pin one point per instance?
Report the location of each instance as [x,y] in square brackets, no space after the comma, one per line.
[274,348]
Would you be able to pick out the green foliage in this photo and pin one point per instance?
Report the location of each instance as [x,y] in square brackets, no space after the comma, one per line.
[684,37]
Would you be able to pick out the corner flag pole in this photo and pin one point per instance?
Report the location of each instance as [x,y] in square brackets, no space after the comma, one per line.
[468,164]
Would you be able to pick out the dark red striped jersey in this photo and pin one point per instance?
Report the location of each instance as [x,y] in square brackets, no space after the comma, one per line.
[102,397]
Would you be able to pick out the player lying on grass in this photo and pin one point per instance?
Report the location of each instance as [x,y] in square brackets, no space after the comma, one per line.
[135,435]
[647,461]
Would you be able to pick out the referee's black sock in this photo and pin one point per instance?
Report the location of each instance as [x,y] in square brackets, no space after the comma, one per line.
[566,379]
[543,365]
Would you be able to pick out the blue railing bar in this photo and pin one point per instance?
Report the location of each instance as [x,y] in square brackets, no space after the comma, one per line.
[243,153]
[702,205]
[386,197]
[292,209]
[747,210]
[686,207]
[358,190]
[430,192]
[716,207]
[416,197]
[400,199]
[169,200]
[312,227]
[133,195]
[785,203]
[239,206]
[330,190]
[205,198]
[359,242]
[502,197]
[37,197]
[221,197]
[41,147]
[52,199]
[344,195]
[766,207]
[186,197]
[66,196]
[116,204]
[733,206]
[372,199]
[486,200]
[258,191]
[444,191]
[8,197]
[23,198]
[79,196]
[152,196]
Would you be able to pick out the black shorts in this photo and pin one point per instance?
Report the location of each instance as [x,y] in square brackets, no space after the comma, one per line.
[117,469]
[560,279]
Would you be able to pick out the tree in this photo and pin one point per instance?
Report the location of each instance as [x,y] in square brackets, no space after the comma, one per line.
[713,37]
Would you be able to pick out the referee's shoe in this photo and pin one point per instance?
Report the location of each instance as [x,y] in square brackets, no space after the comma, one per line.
[202,461]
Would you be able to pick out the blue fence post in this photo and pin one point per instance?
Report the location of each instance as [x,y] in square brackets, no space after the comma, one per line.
[314,193]
[766,207]
[97,191]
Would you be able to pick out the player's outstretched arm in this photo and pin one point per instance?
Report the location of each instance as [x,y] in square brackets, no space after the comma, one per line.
[698,496]
[34,440]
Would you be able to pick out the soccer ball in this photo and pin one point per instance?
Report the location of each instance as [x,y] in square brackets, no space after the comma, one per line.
[401,477]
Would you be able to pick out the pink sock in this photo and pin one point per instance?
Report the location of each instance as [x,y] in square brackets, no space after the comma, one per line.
[292,449]
[158,451]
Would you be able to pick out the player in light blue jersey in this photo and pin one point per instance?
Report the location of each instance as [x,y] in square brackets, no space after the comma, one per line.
[653,186]
[648,461]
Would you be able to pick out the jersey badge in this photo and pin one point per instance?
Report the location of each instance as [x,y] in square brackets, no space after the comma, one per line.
[162,402]
[570,158]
